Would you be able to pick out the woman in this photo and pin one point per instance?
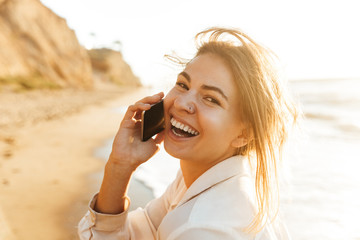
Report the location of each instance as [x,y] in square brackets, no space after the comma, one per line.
[226,119]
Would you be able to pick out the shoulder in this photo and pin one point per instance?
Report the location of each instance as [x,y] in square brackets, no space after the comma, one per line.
[221,212]
[231,202]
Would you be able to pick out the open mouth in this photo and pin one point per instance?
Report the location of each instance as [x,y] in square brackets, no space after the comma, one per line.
[182,130]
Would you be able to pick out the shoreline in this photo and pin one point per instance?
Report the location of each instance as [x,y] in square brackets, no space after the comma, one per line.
[46,164]
[139,192]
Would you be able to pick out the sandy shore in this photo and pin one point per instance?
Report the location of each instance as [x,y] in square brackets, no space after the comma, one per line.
[48,171]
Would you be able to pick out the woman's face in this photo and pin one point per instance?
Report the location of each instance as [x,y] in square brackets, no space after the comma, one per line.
[202,121]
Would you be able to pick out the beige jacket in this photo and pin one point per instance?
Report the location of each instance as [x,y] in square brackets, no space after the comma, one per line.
[218,205]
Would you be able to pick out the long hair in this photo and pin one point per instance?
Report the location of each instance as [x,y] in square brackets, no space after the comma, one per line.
[265,109]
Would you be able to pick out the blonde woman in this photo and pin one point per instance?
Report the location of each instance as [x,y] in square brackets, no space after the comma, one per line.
[226,120]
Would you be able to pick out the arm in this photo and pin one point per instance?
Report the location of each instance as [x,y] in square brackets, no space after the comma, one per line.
[138,224]
[128,152]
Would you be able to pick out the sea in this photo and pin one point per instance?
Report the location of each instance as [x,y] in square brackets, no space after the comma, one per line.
[320,172]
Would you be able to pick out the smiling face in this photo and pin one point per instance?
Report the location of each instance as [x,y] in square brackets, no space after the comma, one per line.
[202,120]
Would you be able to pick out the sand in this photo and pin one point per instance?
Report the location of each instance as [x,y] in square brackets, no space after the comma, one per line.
[48,171]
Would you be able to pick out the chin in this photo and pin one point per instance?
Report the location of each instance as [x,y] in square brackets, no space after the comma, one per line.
[170,150]
[174,151]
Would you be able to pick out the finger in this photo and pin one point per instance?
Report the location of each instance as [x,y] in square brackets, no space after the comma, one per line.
[152,99]
[138,115]
[148,100]
[138,125]
[137,107]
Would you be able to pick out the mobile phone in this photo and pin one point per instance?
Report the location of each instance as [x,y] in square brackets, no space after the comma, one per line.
[152,121]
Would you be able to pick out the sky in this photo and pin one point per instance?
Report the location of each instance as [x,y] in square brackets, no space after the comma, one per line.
[313,38]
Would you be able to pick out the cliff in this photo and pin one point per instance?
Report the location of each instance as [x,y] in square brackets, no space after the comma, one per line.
[38,50]
[37,45]
[109,66]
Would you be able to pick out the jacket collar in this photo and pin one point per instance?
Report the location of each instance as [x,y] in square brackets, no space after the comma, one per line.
[233,166]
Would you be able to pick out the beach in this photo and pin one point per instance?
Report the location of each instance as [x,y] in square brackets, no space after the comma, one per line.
[48,169]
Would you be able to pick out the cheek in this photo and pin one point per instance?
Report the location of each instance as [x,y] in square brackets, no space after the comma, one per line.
[168,101]
[219,125]
[211,122]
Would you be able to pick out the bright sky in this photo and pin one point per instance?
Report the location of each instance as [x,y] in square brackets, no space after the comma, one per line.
[313,38]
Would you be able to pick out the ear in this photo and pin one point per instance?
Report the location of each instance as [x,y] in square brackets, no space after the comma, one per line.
[242,139]
[239,141]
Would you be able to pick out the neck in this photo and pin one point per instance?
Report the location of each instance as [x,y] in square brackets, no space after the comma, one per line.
[192,170]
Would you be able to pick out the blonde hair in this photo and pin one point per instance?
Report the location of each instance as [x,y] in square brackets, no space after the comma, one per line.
[266,109]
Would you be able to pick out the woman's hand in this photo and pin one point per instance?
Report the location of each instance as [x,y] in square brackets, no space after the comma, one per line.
[128,152]
[128,149]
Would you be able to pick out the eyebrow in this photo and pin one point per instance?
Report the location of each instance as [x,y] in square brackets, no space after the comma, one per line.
[206,87]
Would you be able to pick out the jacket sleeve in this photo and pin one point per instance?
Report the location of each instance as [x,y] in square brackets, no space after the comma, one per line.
[137,224]
[133,225]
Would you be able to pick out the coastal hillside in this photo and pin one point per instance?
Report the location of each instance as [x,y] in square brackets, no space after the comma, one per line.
[109,66]
[39,50]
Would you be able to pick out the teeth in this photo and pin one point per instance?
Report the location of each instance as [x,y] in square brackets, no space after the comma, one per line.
[183,127]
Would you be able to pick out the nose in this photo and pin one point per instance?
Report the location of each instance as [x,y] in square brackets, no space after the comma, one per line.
[185,103]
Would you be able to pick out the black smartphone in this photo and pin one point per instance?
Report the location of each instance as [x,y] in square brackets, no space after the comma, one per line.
[152,121]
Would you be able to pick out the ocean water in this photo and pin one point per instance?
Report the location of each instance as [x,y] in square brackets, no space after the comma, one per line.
[321,168]
[322,200]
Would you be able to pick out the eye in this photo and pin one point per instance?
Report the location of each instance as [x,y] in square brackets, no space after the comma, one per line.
[212,100]
[182,85]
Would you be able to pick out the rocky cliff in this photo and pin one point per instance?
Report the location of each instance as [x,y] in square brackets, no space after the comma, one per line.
[38,50]
[37,45]
[109,66]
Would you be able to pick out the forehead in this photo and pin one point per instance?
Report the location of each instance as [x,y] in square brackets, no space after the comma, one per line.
[210,69]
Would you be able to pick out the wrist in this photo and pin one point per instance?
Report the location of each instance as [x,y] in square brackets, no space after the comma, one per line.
[122,168]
